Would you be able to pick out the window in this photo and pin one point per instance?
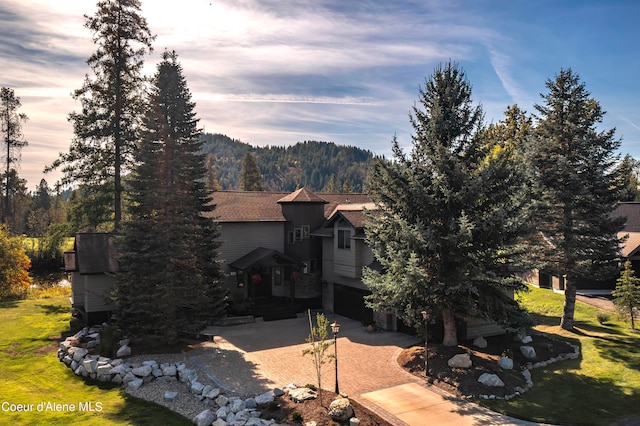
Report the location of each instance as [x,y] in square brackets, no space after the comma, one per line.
[344,239]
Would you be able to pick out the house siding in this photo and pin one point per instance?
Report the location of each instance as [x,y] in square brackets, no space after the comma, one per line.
[96,289]
[77,290]
[239,238]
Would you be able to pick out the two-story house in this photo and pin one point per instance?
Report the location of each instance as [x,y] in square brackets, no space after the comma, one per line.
[268,246]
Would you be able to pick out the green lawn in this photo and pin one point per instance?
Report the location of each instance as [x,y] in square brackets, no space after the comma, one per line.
[599,388]
[31,374]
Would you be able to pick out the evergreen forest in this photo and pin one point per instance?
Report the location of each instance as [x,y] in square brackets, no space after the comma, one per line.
[317,166]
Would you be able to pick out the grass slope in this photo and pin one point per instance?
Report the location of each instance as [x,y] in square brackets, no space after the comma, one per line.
[31,374]
[599,388]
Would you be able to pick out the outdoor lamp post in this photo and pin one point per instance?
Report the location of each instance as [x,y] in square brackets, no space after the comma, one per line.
[425,318]
[335,327]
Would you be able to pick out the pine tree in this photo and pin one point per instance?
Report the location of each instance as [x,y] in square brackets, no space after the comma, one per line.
[629,171]
[627,293]
[168,253]
[448,216]
[112,105]
[250,174]
[576,186]
[11,127]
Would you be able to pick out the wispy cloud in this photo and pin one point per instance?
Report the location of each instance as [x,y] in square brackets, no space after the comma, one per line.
[273,72]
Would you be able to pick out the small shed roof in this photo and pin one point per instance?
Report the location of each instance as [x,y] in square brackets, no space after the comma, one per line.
[95,253]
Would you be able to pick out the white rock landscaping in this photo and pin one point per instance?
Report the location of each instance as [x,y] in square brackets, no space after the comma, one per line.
[226,409]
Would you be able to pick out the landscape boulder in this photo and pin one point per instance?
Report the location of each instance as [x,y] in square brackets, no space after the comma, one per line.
[491,380]
[341,409]
[505,363]
[204,418]
[480,342]
[460,361]
[123,351]
[529,352]
[301,394]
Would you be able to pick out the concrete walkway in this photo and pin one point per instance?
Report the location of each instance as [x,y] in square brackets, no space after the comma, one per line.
[253,358]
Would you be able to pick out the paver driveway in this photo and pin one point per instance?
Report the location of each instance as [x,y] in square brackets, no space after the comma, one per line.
[253,358]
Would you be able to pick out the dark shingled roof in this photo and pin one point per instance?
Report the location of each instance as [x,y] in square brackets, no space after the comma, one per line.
[631,211]
[95,253]
[302,196]
[262,256]
[249,206]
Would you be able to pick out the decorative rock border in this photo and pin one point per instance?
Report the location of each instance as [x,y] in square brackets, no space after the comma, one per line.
[526,372]
[225,409]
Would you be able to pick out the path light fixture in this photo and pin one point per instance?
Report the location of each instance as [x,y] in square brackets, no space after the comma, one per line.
[425,318]
[335,327]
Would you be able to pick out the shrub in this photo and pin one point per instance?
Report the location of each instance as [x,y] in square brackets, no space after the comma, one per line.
[14,267]
[603,317]
[296,416]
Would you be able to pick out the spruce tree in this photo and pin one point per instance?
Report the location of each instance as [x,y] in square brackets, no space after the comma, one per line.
[170,273]
[627,293]
[250,174]
[576,185]
[112,106]
[448,219]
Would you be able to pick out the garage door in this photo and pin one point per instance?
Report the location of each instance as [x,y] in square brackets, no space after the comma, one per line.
[349,302]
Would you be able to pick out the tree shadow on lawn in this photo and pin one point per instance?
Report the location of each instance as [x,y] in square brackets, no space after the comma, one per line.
[562,396]
[7,304]
[623,351]
[55,309]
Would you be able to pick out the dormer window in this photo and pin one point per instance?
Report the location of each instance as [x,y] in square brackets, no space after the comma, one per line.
[344,239]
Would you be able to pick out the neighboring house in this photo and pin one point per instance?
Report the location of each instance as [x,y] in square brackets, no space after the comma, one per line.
[92,265]
[629,249]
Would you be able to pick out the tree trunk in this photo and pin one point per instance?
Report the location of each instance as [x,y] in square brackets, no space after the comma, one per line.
[569,305]
[450,331]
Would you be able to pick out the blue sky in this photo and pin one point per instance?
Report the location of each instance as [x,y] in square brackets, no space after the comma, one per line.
[275,72]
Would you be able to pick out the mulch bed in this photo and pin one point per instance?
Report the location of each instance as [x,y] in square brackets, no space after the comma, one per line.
[464,382]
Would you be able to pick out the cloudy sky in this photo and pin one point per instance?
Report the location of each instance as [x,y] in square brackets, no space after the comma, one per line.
[275,72]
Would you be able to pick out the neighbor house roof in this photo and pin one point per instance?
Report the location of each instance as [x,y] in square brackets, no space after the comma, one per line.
[631,245]
[95,253]
[630,210]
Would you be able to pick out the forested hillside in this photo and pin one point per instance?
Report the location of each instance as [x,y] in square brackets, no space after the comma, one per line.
[318,166]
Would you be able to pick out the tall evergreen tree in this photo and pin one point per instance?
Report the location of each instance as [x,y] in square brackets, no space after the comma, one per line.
[13,140]
[250,174]
[448,216]
[170,245]
[577,186]
[112,106]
